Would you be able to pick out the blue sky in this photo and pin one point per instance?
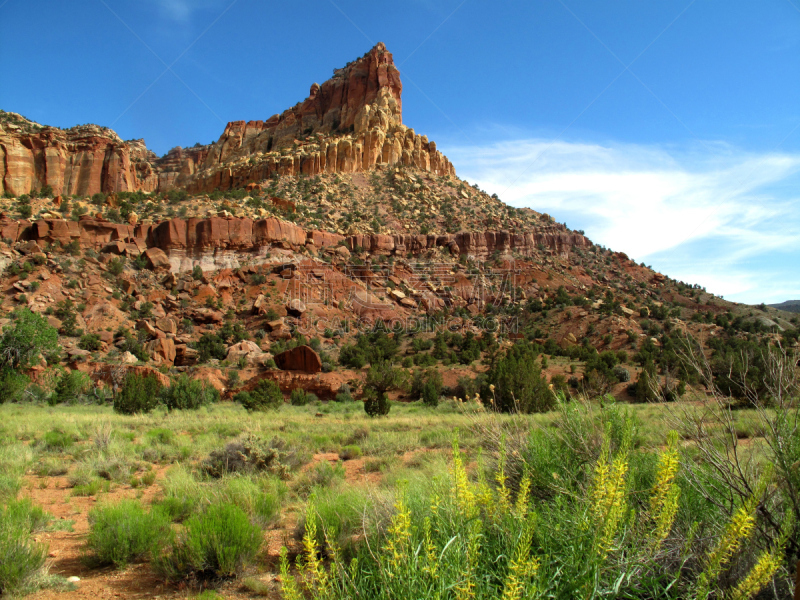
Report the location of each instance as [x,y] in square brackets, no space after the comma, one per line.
[669,130]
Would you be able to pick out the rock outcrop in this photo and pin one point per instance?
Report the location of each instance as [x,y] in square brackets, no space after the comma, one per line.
[82,160]
[301,358]
[222,242]
[350,123]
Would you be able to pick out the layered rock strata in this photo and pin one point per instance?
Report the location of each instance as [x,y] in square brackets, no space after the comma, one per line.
[224,242]
[352,122]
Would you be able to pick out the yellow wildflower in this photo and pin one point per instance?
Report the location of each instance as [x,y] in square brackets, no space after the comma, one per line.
[523,566]
[664,499]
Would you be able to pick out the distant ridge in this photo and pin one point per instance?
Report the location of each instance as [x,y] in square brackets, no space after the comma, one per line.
[788,306]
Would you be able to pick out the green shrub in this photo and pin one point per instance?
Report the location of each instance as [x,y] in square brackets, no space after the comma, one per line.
[12,385]
[298,397]
[345,397]
[124,532]
[71,387]
[377,404]
[56,440]
[250,454]
[210,345]
[28,336]
[322,475]
[244,398]
[259,496]
[427,386]
[133,345]
[519,385]
[90,342]
[370,348]
[26,512]
[381,378]
[350,452]
[265,396]
[215,544]
[138,394]
[116,266]
[339,514]
[22,556]
[161,435]
[65,311]
[622,374]
[186,393]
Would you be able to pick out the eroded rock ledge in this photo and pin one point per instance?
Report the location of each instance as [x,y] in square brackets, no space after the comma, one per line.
[218,242]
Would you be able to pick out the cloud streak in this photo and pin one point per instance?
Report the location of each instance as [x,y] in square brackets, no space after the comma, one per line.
[682,208]
[181,11]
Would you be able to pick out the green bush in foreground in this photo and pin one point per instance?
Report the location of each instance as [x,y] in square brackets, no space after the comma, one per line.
[124,532]
[20,556]
[138,394]
[215,544]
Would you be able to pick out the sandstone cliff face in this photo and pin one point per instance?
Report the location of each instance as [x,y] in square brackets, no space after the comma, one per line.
[350,123]
[83,160]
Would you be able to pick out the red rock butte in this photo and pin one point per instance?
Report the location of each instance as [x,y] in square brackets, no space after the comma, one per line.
[350,123]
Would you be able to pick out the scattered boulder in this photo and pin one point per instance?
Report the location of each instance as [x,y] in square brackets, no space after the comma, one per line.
[167,325]
[30,247]
[301,358]
[205,315]
[128,359]
[162,350]
[278,329]
[247,349]
[117,247]
[296,307]
[156,258]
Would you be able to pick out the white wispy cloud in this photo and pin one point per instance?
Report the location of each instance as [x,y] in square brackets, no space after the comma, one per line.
[711,212]
[182,10]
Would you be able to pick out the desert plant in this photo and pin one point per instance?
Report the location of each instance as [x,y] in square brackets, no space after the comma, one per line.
[350,452]
[71,386]
[250,454]
[115,266]
[185,393]
[124,532]
[57,440]
[216,544]
[265,396]
[90,342]
[23,557]
[518,383]
[298,397]
[622,374]
[138,394]
[427,385]
[12,384]
[28,336]
[377,404]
